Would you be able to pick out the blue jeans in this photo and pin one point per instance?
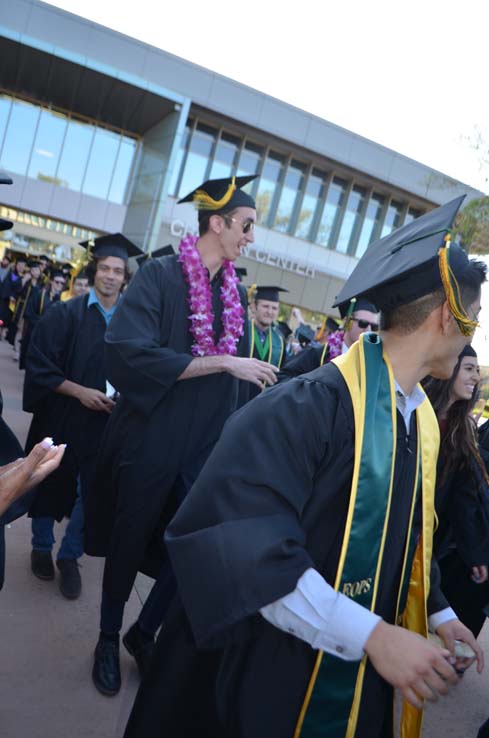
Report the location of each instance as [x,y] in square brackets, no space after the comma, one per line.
[72,543]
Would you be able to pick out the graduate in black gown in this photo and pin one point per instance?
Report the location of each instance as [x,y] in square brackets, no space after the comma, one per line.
[307,536]
[359,317]
[266,340]
[66,389]
[38,304]
[176,352]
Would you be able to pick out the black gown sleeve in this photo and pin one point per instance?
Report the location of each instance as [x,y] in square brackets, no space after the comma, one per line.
[237,542]
[46,356]
[302,363]
[470,517]
[140,363]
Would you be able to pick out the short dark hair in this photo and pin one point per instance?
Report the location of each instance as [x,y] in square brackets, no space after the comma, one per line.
[205,216]
[408,318]
[91,270]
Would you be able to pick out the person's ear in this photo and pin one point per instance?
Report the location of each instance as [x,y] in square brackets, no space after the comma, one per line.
[216,224]
[446,318]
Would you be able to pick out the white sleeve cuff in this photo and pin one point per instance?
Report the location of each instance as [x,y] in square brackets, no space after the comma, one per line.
[440,617]
[324,618]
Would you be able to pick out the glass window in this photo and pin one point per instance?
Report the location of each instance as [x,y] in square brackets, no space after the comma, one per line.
[331,212]
[292,186]
[74,155]
[370,223]
[312,196]
[351,219]
[392,218]
[249,160]
[224,157]
[103,155]
[178,162]
[196,164]
[122,171]
[5,103]
[47,146]
[19,136]
[270,176]
[411,215]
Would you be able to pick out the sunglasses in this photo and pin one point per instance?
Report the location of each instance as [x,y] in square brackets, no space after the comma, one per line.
[247,226]
[366,324]
[58,281]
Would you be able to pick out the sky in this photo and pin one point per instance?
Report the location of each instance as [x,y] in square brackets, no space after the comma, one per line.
[410,76]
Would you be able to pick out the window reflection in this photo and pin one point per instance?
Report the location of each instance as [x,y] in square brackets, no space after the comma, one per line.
[411,215]
[103,154]
[224,157]
[370,224]
[351,220]
[19,136]
[312,196]
[392,218]
[291,188]
[331,212]
[122,171]
[5,103]
[198,156]
[172,187]
[249,160]
[270,176]
[75,154]
[47,146]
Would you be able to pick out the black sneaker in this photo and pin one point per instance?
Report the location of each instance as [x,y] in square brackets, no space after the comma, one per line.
[106,672]
[42,565]
[140,646]
[70,581]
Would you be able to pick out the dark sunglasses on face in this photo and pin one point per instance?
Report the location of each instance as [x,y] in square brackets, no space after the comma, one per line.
[247,226]
[366,324]
[58,281]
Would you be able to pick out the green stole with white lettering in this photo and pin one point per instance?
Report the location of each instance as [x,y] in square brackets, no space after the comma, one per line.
[271,351]
[332,700]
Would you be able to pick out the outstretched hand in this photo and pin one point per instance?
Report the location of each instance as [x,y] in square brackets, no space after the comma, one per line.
[453,630]
[21,475]
[255,371]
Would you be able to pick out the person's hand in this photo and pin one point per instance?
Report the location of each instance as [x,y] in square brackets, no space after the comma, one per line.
[93,399]
[252,370]
[455,630]
[419,669]
[479,574]
[20,476]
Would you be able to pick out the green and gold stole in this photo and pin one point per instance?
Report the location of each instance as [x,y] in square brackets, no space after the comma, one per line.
[271,351]
[331,704]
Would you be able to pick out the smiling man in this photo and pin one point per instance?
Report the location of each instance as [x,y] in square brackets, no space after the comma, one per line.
[176,352]
[66,389]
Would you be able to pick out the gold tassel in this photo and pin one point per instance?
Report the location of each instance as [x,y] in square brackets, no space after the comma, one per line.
[203,201]
[349,313]
[452,292]
[251,292]
[320,332]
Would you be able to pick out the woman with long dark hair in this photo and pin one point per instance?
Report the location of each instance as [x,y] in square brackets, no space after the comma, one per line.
[461,541]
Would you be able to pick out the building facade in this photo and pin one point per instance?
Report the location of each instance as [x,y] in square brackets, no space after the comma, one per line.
[102,133]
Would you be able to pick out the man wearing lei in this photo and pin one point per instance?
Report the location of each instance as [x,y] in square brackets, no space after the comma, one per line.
[266,341]
[176,350]
[358,316]
[302,553]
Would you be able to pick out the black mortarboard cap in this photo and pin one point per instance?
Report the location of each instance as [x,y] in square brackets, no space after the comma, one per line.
[167,250]
[5,178]
[405,265]
[32,263]
[241,272]
[358,303]
[284,329]
[331,324]
[5,225]
[43,257]
[113,244]
[268,292]
[53,273]
[217,195]
[305,334]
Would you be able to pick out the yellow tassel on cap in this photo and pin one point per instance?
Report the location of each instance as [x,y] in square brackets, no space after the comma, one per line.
[251,292]
[203,201]
[466,325]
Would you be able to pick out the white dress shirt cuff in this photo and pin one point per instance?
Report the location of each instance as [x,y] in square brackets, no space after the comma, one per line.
[440,617]
[324,618]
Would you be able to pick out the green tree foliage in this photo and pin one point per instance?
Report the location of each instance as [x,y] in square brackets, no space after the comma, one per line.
[472,225]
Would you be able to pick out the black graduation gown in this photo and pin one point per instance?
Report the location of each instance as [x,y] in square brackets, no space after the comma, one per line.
[162,430]
[270,502]
[37,305]
[10,287]
[67,343]
[305,361]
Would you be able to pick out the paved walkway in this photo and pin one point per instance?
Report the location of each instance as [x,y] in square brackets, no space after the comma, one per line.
[46,642]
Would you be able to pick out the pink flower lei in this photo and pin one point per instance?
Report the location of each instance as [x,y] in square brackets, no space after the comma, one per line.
[335,344]
[200,302]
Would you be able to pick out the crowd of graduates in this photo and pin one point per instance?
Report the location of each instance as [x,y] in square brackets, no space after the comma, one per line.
[275,480]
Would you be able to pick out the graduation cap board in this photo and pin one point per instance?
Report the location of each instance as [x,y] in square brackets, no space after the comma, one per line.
[113,244]
[411,262]
[223,195]
[167,250]
[267,292]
